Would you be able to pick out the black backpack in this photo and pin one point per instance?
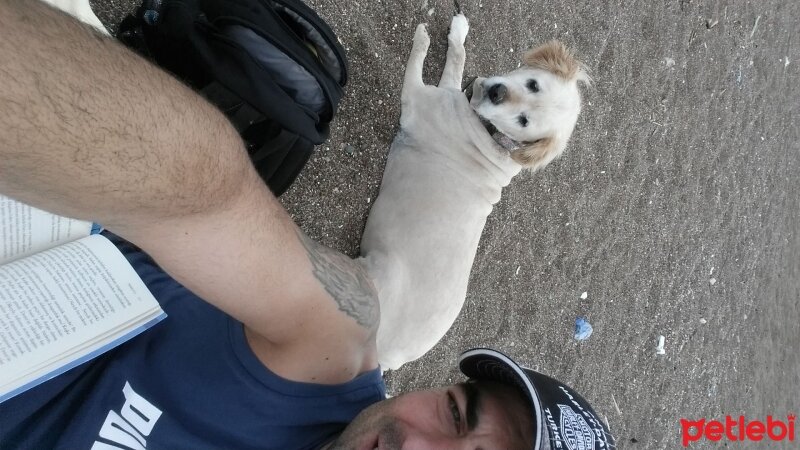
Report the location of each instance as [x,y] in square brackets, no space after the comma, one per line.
[274,67]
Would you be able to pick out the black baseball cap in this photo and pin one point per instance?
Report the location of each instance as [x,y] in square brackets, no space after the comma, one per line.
[563,419]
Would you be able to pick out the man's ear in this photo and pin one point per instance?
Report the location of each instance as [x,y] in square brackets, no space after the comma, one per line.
[538,153]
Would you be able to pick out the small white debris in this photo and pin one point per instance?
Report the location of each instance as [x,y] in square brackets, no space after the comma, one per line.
[430,12]
[517,272]
[711,23]
[711,272]
[376,54]
[555,25]
[584,295]
[752,33]
[786,61]
[602,171]
[511,50]
[660,348]
[712,281]
[616,406]
[669,62]
[703,321]
[369,199]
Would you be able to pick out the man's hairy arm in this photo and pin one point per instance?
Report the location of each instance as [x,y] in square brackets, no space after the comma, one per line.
[81,114]
[89,130]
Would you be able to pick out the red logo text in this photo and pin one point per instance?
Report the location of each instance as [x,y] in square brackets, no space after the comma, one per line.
[738,429]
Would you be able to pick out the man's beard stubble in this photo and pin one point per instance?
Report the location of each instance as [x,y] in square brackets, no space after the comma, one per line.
[376,417]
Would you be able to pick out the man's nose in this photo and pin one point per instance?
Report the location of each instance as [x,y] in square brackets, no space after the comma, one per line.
[497,93]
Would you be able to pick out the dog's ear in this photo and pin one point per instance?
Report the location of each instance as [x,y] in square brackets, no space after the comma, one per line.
[539,153]
[557,59]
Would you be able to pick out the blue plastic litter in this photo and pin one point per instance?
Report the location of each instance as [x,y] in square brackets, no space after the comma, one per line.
[583,329]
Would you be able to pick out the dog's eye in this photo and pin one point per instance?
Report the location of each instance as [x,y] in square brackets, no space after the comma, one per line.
[522,121]
[533,85]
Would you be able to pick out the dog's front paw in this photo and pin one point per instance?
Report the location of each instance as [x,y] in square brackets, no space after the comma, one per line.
[421,38]
[459,28]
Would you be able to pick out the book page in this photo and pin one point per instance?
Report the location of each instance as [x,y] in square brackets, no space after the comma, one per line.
[25,230]
[57,300]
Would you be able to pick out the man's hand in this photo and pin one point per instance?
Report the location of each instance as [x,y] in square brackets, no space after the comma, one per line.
[89,130]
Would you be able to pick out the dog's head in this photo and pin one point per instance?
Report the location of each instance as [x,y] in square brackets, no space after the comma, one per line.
[534,107]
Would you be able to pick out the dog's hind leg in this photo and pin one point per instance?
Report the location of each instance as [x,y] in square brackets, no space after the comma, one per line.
[456,55]
[413,76]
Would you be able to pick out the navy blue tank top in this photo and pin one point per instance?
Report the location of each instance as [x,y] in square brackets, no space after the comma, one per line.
[190,382]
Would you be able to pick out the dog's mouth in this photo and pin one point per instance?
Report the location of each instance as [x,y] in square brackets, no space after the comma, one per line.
[501,139]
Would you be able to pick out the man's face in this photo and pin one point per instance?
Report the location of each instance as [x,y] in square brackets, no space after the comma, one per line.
[471,415]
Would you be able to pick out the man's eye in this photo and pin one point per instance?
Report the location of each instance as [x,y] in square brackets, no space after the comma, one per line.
[456,412]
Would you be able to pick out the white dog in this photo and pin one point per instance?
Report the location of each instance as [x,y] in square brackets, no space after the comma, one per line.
[445,172]
[80,10]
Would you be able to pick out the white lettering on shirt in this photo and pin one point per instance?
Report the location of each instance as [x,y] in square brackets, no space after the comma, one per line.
[130,427]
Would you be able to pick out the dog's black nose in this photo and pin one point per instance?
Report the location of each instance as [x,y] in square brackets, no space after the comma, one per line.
[497,93]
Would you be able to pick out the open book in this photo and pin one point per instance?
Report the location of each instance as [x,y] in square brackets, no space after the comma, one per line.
[66,296]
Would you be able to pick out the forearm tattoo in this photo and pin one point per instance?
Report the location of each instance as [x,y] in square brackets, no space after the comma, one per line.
[345,281]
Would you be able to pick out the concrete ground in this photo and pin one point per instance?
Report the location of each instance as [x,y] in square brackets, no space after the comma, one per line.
[676,207]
